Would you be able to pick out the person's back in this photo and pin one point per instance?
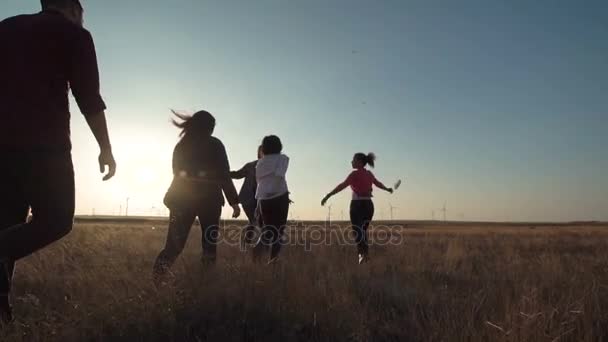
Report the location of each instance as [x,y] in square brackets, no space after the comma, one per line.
[271,176]
[361,181]
[249,187]
[247,192]
[202,160]
[42,56]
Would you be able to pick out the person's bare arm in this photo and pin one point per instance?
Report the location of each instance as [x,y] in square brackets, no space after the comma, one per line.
[382,186]
[99,127]
[338,188]
[240,174]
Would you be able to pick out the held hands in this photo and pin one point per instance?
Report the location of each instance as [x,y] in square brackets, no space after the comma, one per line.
[236,211]
[106,158]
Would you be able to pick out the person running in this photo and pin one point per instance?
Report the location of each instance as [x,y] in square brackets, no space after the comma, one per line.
[247,196]
[201,173]
[273,197]
[361,207]
[44,55]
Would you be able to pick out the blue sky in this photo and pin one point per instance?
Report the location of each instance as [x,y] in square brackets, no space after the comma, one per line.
[497,107]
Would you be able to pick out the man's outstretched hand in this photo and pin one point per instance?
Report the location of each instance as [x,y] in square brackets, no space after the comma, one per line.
[106,158]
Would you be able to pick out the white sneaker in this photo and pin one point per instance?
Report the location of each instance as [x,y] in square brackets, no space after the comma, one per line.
[363,259]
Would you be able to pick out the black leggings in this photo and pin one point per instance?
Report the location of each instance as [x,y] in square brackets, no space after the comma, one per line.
[179,228]
[361,214]
[274,214]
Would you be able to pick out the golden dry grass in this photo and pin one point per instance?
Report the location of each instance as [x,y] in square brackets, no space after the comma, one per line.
[452,283]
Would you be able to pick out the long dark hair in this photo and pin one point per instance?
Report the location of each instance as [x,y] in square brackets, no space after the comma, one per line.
[200,123]
[366,159]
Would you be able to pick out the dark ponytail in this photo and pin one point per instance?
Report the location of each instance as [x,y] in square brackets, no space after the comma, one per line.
[370,159]
[366,159]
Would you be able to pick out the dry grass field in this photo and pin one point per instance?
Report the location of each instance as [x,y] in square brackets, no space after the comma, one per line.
[460,282]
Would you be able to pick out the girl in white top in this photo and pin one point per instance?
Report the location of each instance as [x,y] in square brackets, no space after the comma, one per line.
[273,196]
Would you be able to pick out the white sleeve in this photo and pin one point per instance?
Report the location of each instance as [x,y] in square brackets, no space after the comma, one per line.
[281,169]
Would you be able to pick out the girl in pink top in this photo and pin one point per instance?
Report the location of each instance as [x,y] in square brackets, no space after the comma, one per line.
[360,181]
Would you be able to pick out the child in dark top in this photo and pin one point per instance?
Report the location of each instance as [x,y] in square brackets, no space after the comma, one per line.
[361,206]
[247,196]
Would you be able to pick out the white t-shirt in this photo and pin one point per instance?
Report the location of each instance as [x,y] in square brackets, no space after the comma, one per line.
[270,174]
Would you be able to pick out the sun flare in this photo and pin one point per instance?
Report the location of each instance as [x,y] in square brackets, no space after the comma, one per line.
[147,176]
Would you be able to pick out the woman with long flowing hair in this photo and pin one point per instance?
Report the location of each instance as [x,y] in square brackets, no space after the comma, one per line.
[201,176]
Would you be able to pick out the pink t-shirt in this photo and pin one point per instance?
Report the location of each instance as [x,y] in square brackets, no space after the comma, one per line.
[361,181]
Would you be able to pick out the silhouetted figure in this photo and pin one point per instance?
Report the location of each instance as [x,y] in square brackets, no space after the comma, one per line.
[273,197]
[361,206]
[201,173]
[247,196]
[43,56]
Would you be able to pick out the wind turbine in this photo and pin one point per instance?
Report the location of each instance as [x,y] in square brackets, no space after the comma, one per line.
[444,209]
[392,209]
[329,214]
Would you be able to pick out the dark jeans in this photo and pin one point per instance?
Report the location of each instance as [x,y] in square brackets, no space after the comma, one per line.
[180,223]
[44,182]
[274,214]
[361,214]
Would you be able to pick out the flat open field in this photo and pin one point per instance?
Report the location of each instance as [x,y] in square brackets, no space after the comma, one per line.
[432,282]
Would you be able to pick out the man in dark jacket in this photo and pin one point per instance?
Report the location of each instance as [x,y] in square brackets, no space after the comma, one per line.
[43,56]
[247,196]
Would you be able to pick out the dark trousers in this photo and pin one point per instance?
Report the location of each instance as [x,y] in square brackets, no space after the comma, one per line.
[361,214]
[274,214]
[250,210]
[180,223]
[44,182]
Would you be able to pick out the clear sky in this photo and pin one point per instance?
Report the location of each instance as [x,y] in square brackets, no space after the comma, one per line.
[499,108]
